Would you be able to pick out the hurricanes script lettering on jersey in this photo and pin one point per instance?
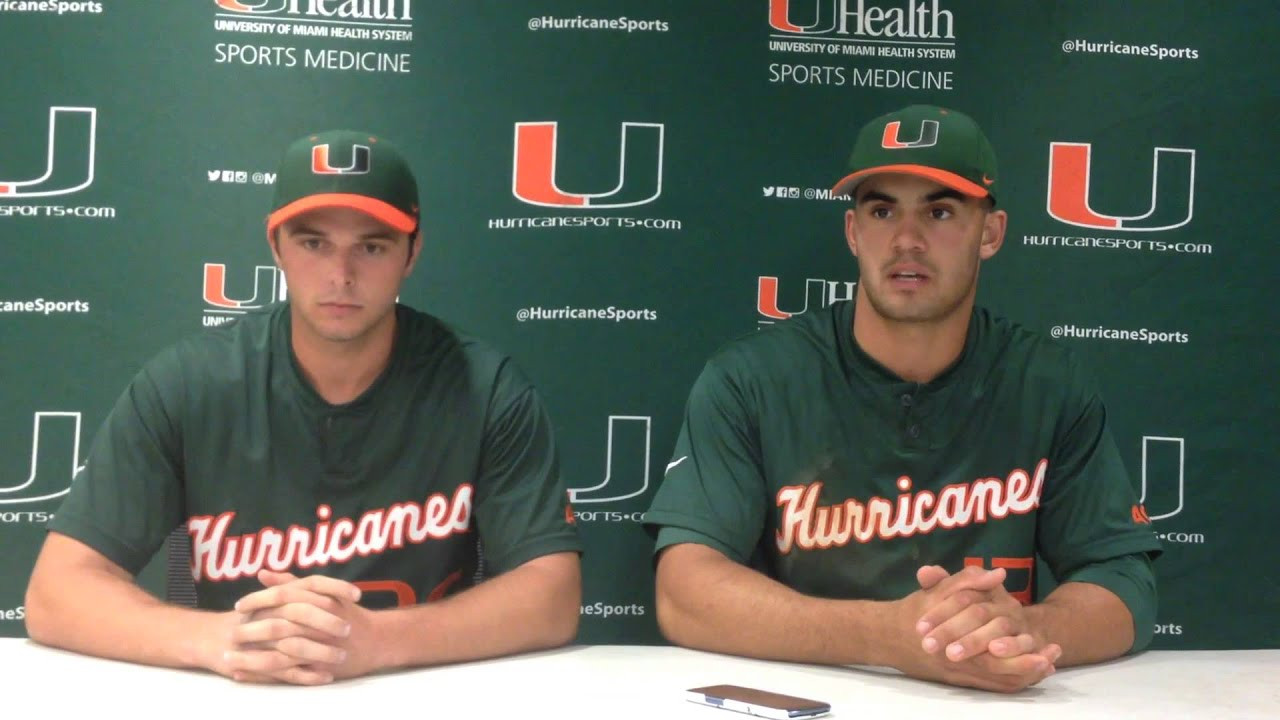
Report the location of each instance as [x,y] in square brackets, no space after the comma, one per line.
[807,525]
[216,557]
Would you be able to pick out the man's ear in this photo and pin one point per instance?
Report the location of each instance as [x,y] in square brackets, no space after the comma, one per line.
[273,241]
[851,231]
[993,228]
[415,249]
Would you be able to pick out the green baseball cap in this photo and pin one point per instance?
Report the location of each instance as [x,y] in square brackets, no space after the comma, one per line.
[943,145]
[345,168]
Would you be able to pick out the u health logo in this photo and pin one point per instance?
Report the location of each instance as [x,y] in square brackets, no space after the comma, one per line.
[909,20]
[219,306]
[818,293]
[346,10]
[237,6]
[824,20]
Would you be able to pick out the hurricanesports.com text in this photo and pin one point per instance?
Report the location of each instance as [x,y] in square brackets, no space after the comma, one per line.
[25,516]
[1113,243]
[608,516]
[1181,538]
[1144,335]
[1151,50]
[56,211]
[582,221]
[621,24]
[611,314]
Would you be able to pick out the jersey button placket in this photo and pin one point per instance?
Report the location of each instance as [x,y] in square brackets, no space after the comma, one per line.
[908,403]
[334,448]
[327,444]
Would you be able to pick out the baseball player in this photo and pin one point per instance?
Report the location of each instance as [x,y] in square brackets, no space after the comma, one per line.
[874,483]
[345,466]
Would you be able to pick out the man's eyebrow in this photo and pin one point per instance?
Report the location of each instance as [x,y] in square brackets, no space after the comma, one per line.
[944,193]
[876,195]
[303,230]
[371,235]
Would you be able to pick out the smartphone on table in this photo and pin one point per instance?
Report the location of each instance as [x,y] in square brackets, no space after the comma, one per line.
[760,703]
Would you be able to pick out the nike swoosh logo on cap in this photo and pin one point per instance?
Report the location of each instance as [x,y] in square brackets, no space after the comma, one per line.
[986,180]
[674,463]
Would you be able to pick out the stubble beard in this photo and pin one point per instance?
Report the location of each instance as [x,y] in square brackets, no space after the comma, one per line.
[919,310]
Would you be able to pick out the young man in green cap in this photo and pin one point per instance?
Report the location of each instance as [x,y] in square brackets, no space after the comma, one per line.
[346,468]
[872,483]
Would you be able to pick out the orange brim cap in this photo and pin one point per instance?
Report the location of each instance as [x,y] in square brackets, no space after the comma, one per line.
[960,184]
[377,209]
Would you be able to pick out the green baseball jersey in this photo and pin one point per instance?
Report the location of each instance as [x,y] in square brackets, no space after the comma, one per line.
[445,465]
[803,456]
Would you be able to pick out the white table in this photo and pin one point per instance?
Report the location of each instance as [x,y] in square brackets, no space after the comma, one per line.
[611,681]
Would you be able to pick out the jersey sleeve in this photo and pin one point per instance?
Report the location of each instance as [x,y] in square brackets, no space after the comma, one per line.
[1089,514]
[713,492]
[1132,579]
[129,496]
[522,508]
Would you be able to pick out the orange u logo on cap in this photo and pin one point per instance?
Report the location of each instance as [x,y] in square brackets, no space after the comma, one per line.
[928,135]
[360,162]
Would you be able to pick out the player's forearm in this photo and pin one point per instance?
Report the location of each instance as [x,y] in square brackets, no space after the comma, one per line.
[709,602]
[1088,621]
[532,607]
[96,612]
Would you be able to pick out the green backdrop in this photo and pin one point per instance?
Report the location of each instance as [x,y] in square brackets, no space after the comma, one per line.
[613,188]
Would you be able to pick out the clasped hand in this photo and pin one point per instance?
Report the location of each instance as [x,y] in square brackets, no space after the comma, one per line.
[972,632]
[303,631]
